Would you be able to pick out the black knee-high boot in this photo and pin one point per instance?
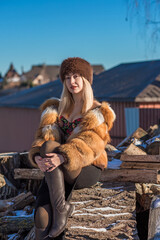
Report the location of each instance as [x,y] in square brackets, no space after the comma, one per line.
[61,208]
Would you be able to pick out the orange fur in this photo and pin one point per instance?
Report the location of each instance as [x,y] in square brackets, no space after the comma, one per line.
[108,115]
[50,102]
[101,161]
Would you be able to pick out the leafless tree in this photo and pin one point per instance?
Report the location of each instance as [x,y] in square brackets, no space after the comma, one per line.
[146,13]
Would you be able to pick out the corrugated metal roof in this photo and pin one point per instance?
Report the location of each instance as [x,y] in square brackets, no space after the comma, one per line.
[33,97]
[127,81]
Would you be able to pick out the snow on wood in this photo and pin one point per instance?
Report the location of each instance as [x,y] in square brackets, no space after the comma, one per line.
[107,212]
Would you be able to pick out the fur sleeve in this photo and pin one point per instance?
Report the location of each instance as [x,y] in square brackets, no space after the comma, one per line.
[82,150]
[48,129]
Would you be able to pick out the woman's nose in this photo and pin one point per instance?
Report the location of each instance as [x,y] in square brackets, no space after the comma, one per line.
[72,80]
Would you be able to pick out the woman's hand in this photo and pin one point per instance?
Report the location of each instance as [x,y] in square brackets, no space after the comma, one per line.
[50,162]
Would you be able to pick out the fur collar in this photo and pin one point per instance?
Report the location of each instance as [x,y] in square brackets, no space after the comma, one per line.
[99,113]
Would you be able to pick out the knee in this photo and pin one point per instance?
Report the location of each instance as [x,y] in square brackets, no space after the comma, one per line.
[48,147]
[42,217]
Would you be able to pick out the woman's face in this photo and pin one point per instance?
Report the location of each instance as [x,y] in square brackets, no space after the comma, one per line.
[74,83]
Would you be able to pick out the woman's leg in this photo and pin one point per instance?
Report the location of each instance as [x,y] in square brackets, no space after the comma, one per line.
[61,209]
[88,177]
[81,178]
[43,213]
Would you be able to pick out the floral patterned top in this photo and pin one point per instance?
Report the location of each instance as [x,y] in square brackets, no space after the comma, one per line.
[67,127]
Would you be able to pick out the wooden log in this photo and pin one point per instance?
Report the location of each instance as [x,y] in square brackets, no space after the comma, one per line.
[12,224]
[140,158]
[16,236]
[119,175]
[154,148]
[134,150]
[9,161]
[30,235]
[139,133]
[154,220]
[7,189]
[16,203]
[25,163]
[130,175]
[24,173]
[154,130]
[140,165]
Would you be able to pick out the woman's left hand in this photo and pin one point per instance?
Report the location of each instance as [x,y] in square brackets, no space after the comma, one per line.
[52,161]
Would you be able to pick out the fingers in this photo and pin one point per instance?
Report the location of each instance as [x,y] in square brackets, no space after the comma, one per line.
[49,163]
[50,154]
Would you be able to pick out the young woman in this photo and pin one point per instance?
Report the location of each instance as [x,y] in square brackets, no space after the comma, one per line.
[69,146]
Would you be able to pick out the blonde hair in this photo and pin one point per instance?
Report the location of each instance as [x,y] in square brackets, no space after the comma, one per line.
[67,101]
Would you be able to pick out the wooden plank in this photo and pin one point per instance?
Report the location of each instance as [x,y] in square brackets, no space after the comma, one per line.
[25,173]
[116,175]
[134,150]
[140,165]
[130,175]
[140,158]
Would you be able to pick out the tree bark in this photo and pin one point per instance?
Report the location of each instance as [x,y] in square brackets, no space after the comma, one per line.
[12,224]
[24,173]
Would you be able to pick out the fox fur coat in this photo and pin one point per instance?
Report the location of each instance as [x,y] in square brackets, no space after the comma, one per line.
[85,145]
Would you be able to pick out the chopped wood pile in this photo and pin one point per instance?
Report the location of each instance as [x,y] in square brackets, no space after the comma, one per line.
[136,158]
[105,211]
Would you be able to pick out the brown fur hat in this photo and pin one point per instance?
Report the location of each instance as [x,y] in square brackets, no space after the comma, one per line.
[76,65]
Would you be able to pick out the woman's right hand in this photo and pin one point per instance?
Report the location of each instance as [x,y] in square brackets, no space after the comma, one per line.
[41,164]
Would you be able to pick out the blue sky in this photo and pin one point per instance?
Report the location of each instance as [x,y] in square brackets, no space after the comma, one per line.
[48,31]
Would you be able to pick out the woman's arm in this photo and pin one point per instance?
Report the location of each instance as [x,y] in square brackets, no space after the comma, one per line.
[82,150]
[47,130]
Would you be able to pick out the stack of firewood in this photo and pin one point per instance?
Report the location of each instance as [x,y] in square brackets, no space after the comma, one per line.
[138,158]
[17,198]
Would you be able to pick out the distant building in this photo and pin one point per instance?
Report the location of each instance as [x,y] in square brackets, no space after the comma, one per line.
[41,74]
[11,76]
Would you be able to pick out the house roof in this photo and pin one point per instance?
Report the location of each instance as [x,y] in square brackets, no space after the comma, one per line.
[139,81]
[11,72]
[32,97]
[48,71]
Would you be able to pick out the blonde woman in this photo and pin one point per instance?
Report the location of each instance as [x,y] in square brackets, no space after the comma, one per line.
[69,146]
